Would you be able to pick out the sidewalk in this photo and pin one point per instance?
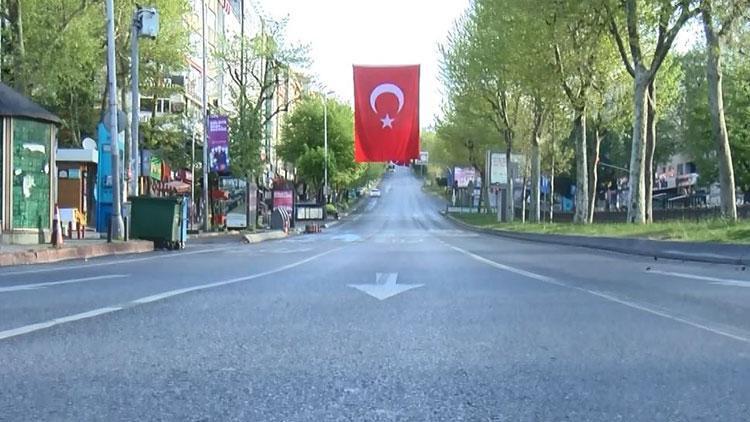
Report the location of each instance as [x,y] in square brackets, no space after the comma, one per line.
[715,253]
[72,249]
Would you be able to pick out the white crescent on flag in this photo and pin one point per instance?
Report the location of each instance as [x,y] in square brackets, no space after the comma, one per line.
[386,88]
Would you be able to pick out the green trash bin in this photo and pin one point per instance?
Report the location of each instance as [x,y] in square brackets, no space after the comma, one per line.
[158,220]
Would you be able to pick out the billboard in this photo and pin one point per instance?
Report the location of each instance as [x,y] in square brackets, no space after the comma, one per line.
[462,176]
[218,143]
[499,168]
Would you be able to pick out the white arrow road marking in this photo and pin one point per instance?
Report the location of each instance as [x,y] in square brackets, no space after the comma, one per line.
[57,283]
[385,286]
[716,280]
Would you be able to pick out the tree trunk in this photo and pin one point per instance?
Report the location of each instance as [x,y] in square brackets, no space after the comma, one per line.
[552,183]
[523,199]
[594,175]
[509,207]
[648,175]
[718,123]
[535,211]
[636,183]
[535,214]
[582,184]
[16,42]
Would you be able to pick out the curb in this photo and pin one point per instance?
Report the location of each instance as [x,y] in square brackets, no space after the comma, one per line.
[628,246]
[262,237]
[45,256]
[213,234]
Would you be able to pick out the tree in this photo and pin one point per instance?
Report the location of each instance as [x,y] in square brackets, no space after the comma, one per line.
[669,18]
[302,142]
[263,71]
[716,25]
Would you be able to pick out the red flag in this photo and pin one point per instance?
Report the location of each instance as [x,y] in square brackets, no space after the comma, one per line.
[386,113]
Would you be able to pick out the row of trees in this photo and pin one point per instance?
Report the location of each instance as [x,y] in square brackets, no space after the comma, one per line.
[578,80]
[53,51]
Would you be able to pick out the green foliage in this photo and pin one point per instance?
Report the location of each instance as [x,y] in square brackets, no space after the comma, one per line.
[258,69]
[696,132]
[302,143]
[62,64]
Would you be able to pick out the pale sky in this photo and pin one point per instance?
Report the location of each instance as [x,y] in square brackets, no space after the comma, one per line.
[371,32]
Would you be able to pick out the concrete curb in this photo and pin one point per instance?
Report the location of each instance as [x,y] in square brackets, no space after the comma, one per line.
[705,252]
[264,236]
[44,256]
[213,234]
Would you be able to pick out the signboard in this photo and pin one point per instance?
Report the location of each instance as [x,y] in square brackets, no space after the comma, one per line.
[283,199]
[218,143]
[463,175]
[155,168]
[424,157]
[498,168]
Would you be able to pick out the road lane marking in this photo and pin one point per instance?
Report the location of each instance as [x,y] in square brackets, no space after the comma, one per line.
[14,332]
[605,296]
[508,268]
[386,285]
[715,280]
[26,329]
[119,261]
[57,283]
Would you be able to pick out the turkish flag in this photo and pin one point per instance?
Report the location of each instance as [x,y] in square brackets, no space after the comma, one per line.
[386,113]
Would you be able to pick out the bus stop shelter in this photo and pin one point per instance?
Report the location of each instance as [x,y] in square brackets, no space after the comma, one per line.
[28,185]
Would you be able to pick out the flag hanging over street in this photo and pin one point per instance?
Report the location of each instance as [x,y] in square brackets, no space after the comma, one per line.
[386,113]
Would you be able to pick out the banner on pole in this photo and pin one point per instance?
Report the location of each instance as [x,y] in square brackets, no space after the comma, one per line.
[218,143]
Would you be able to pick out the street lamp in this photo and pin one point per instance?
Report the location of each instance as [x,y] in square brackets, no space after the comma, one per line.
[325,145]
[117,226]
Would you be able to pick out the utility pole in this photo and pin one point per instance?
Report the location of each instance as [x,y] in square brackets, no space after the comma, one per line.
[145,23]
[206,222]
[116,222]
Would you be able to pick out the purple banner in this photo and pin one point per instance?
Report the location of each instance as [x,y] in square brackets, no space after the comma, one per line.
[218,143]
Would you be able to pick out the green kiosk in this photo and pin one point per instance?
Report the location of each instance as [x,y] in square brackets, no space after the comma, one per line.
[28,183]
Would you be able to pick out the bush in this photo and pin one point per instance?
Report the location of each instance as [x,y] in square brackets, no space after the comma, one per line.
[331,209]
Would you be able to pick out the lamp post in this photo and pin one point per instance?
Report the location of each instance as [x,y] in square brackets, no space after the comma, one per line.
[204,113]
[325,145]
[117,226]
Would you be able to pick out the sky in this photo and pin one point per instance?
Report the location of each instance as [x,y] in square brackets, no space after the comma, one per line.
[341,33]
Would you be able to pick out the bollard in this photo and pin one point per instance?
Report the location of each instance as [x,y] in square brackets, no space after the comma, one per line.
[127,232]
[70,230]
[109,231]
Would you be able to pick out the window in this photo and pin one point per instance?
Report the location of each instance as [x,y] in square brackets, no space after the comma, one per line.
[680,169]
[31,178]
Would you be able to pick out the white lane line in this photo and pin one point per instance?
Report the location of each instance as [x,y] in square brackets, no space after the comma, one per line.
[605,296]
[57,321]
[14,332]
[57,283]
[508,268]
[715,280]
[120,261]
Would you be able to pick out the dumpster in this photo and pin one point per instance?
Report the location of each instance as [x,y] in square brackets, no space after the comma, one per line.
[161,220]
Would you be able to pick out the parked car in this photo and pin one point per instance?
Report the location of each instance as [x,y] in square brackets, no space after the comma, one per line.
[375,193]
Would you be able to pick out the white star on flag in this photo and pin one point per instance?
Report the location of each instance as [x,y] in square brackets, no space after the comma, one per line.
[387,121]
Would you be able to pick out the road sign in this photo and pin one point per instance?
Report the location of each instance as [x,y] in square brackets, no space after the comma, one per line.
[424,157]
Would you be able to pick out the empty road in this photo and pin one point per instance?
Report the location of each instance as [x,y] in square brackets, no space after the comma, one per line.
[394,314]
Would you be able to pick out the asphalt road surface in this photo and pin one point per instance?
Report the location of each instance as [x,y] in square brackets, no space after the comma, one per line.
[393,315]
